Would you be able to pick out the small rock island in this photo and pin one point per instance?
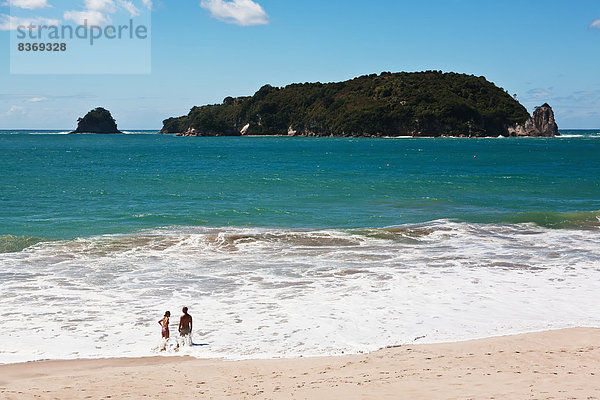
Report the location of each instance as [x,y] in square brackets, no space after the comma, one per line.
[99,120]
[541,124]
[417,104]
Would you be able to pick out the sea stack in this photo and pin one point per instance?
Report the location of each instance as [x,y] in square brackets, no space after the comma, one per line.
[542,124]
[97,121]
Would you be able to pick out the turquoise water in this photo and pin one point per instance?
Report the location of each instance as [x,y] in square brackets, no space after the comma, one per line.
[67,186]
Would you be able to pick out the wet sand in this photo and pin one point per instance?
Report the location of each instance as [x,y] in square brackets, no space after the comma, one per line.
[563,364]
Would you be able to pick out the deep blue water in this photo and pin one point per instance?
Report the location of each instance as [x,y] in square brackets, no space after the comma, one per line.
[67,186]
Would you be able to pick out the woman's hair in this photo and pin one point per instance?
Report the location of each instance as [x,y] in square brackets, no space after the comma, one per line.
[168,313]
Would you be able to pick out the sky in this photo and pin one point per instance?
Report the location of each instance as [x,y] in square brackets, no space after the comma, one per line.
[201,51]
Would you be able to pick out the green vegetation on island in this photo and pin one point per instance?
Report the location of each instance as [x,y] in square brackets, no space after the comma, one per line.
[97,121]
[429,103]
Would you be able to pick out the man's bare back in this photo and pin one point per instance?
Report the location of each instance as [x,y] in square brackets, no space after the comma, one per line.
[185,323]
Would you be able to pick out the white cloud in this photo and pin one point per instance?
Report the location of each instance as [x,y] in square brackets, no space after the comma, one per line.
[10,23]
[37,99]
[15,110]
[239,12]
[147,4]
[130,7]
[92,18]
[27,4]
[11,97]
[103,6]
[595,24]
[96,13]
[99,12]
[540,93]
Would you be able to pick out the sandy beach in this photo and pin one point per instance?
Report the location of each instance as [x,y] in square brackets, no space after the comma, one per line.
[563,364]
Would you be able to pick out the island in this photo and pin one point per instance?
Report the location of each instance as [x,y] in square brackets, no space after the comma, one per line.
[98,120]
[417,104]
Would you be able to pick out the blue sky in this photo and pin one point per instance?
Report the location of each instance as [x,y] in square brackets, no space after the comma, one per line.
[205,50]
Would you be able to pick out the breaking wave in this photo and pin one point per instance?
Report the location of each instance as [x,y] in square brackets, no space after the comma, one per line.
[12,244]
[560,220]
[289,292]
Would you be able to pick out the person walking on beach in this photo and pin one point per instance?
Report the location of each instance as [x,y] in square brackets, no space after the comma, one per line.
[164,323]
[185,325]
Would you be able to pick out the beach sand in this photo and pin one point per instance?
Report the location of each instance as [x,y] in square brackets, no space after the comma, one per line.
[563,364]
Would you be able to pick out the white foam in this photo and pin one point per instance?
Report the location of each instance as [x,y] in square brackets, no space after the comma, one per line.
[48,133]
[258,293]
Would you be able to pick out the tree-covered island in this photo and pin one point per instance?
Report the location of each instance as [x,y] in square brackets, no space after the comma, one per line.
[418,104]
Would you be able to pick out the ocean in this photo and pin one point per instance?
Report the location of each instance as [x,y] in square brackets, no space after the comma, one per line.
[282,247]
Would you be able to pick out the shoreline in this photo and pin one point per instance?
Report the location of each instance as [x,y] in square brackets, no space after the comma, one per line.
[358,137]
[550,364]
[229,359]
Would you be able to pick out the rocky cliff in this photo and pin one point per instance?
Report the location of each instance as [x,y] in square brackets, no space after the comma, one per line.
[541,124]
[99,120]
